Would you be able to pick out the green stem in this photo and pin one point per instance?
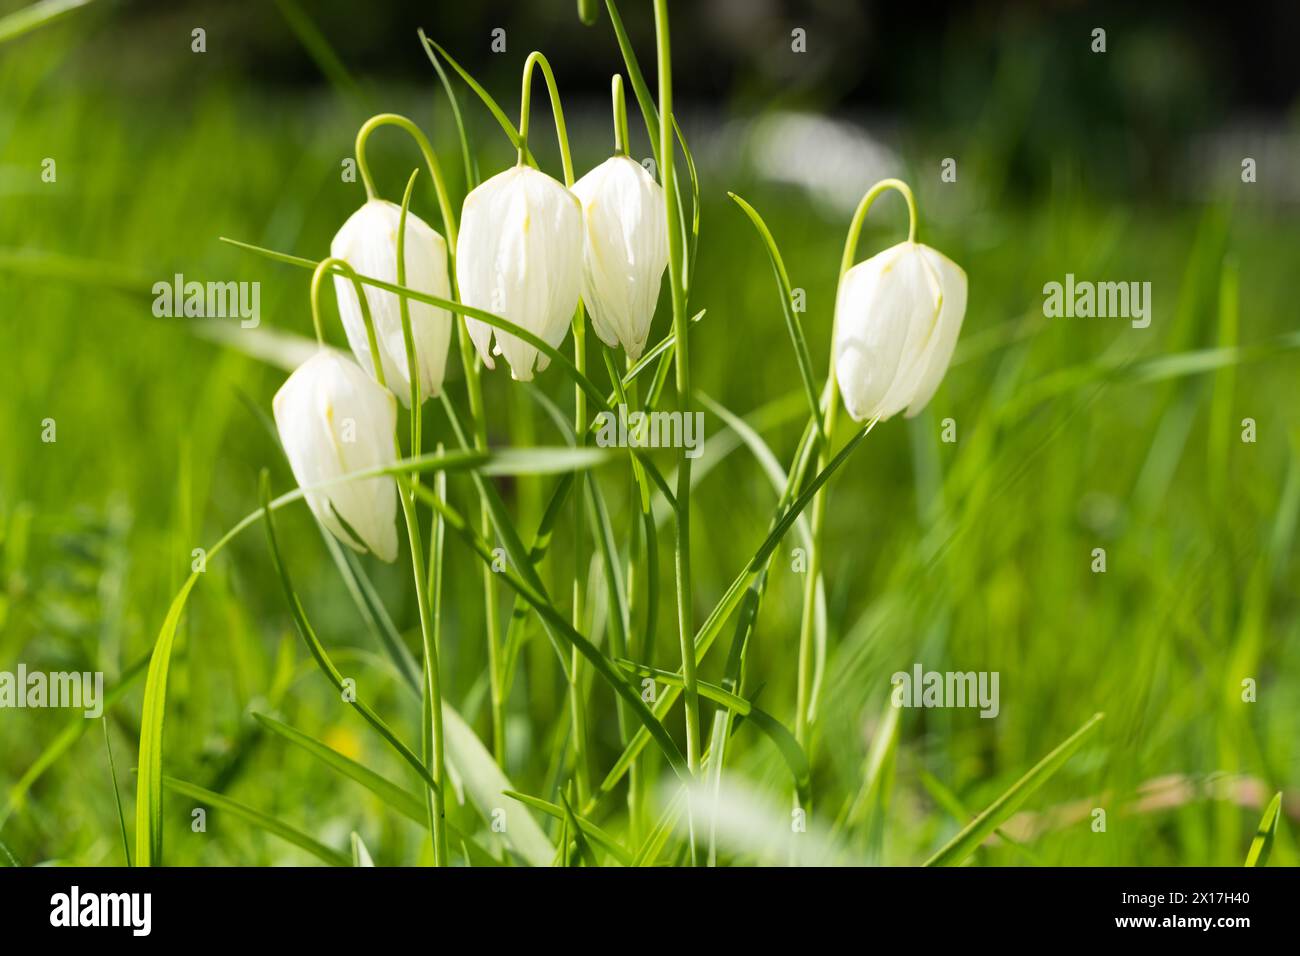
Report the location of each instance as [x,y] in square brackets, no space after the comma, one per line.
[681,324]
[430,160]
[830,405]
[557,109]
[860,217]
[620,115]
[577,705]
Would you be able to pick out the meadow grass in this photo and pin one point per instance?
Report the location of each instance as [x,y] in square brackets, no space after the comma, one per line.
[973,555]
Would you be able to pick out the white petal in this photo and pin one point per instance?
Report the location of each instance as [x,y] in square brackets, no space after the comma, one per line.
[873,312]
[919,283]
[952,284]
[897,318]
[625,250]
[368,242]
[520,257]
[333,419]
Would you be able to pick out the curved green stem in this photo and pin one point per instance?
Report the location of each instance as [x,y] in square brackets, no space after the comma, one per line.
[830,405]
[342,265]
[860,216]
[557,109]
[620,114]
[430,160]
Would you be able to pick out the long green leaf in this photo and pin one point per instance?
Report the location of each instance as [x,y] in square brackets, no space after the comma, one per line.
[397,797]
[483,95]
[117,794]
[1262,845]
[802,358]
[773,729]
[599,836]
[148,797]
[975,832]
[260,820]
[468,156]
[36,15]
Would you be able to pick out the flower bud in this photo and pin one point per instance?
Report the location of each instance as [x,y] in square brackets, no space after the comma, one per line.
[625,250]
[897,316]
[368,242]
[334,419]
[520,257]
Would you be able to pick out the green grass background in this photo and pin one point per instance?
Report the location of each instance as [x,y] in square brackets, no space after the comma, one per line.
[1072,435]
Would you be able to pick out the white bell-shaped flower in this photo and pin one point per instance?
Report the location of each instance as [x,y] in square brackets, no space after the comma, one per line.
[625,250]
[897,316]
[520,256]
[333,420]
[368,242]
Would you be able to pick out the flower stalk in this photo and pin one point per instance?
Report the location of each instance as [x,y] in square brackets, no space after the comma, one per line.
[577,703]
[817,518]
[668,179]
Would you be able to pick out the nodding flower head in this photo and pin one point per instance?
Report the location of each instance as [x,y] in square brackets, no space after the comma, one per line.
[368,242]
[625,250]
[897,316]
[333,420]
[520,257]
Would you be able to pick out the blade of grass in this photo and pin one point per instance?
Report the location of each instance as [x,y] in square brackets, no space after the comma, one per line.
[468,155]
[506,125]
[360,855]
[802,358]
[117,795]
[260,820]
[400,799]
[395,796]
[773,729]
[1262,845]
[597,835]
[974,833]
[36,15]
[320,50]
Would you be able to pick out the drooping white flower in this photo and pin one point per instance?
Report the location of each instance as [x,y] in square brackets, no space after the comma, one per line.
[897,316]
[520,257]
[368,242]
[625,250]
[334,419]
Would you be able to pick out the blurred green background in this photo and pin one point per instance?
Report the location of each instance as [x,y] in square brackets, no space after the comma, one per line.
[1072,434]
